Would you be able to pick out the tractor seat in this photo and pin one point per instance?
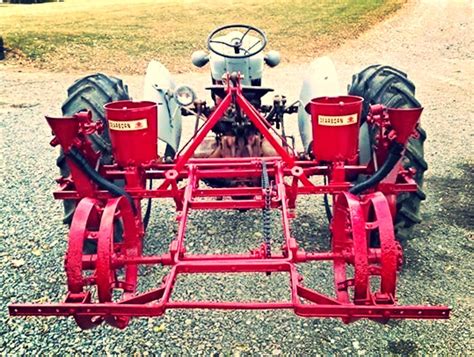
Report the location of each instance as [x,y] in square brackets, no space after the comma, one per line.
[249,92]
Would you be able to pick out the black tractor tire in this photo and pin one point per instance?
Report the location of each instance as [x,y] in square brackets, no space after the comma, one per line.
[392,88]
[91,93]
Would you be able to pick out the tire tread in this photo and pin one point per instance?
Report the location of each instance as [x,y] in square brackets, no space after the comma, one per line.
[390,86]
[91,92]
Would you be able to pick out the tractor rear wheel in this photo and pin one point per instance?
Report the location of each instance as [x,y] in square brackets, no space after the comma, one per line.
[91,93]
[391,87]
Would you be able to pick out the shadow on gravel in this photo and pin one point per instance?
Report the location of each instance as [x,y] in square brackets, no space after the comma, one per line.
[402,347]
[454,195]
[310,228]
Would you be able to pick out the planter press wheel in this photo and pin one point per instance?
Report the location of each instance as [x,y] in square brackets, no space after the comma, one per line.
[352,226]
[349,243]
[84,227]
[117,213]
[379,220]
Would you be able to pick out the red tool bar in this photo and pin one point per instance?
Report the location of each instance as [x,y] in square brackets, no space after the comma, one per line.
[154,310]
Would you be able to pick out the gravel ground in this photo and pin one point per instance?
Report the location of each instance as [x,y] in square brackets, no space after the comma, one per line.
[432,40]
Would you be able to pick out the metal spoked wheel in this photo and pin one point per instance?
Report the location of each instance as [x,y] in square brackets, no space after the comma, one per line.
[349,243]
[386,255]
[358,261]
[111,277]
[80,267]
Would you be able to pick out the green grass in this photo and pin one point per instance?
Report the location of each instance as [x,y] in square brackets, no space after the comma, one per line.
[96,35]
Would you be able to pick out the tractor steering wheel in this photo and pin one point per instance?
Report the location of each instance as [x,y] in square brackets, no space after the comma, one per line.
[237,43]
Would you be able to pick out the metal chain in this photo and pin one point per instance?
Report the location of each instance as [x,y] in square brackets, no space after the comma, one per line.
[266,211]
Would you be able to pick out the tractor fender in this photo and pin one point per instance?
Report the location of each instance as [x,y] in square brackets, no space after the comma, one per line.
[159,87]
[319,80]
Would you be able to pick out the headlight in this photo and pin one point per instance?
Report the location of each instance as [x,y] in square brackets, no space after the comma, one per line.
[184,96]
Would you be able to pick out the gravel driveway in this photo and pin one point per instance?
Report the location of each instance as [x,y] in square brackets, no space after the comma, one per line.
[432,41]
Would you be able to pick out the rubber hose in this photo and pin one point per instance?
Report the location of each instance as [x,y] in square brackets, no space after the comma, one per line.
[327,207]
[146,217]
[103,183]
[394,154]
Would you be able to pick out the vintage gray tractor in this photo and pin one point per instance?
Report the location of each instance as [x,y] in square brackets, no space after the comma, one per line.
[239,48]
